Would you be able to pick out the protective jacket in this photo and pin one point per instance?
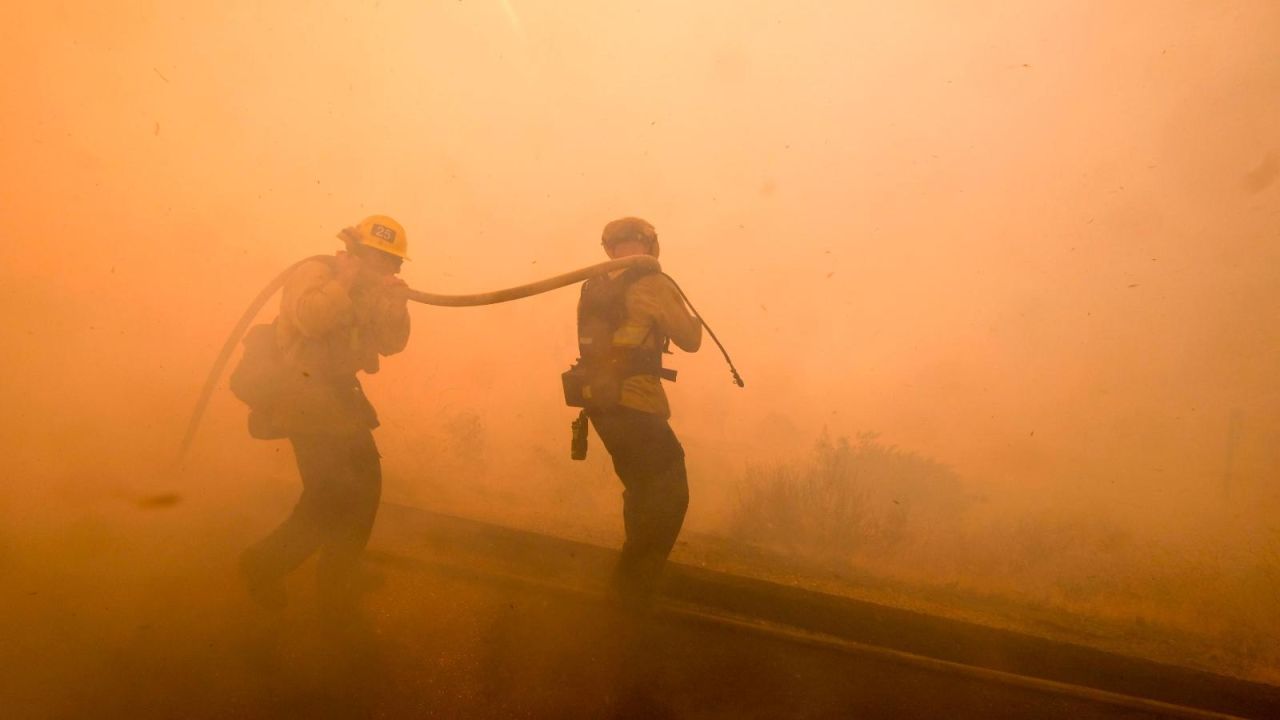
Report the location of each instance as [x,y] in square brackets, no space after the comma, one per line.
[326,333]
[644,312]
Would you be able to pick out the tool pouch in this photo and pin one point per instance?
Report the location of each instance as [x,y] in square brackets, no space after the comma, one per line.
[597,388]
[257,377]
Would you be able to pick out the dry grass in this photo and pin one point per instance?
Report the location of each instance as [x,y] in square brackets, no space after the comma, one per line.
[866,509]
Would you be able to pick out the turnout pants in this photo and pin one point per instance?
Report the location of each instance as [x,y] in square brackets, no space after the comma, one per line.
[341,488]
[650,463]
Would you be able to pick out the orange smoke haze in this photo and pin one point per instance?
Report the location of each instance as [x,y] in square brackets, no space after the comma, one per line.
[1039,243]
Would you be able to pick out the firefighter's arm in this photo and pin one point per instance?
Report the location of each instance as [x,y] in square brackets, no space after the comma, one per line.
[315,300]
[673,318]
[390,317]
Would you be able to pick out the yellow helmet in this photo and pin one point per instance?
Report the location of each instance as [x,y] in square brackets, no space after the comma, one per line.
[379,232]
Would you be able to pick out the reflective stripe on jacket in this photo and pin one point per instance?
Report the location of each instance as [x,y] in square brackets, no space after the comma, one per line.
[655,312]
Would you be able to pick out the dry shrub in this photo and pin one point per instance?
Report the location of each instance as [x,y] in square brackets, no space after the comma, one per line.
[844,498]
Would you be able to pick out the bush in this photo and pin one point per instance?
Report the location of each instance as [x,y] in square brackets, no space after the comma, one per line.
[844,498]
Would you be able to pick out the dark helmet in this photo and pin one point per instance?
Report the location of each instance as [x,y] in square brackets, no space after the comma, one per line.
[630,228]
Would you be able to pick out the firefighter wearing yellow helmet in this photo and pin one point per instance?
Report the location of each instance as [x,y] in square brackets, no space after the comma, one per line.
[338,316]
[380,233]
[625,322]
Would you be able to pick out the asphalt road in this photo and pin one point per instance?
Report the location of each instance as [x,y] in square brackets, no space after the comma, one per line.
[466,620]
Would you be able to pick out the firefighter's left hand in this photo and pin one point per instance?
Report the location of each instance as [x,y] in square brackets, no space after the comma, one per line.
[394,287]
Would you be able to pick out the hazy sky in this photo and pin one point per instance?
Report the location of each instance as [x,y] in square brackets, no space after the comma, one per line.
[1039,243]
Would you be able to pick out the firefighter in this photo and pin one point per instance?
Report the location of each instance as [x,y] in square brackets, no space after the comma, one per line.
[338,316]
[626,322]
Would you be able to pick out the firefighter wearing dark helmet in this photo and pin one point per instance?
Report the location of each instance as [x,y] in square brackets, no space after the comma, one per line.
[626,322]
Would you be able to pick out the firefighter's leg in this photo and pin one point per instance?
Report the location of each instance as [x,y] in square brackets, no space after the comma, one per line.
[266,563]
[348,520]
[650,462]
[670,502]
[654,507]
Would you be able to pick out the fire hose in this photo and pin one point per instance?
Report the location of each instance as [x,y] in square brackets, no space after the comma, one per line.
[485,298]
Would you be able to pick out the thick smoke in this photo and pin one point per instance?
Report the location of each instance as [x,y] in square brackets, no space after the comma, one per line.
[1039,246]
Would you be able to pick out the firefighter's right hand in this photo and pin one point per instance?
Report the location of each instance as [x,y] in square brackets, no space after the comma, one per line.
[347,269]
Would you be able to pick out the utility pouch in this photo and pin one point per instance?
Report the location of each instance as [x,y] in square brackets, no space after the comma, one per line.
[573,381]
[578,445]
[259,379]
[256,379]
[598,388]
